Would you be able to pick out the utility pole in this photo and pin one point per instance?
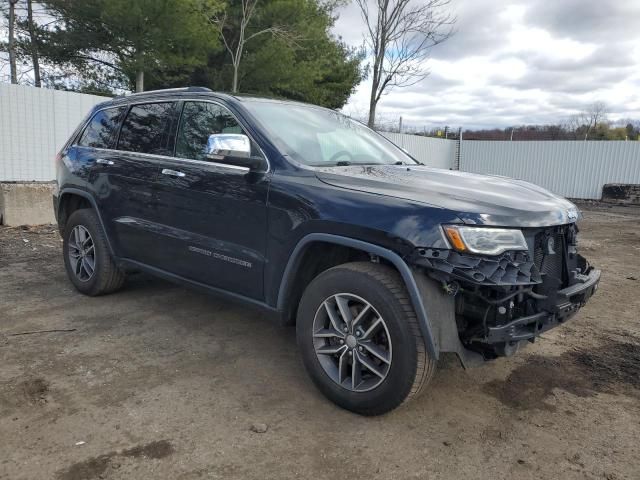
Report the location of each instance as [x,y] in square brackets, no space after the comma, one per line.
[458,154]
[140,65]
[400,125]
[12,42]
[140,81]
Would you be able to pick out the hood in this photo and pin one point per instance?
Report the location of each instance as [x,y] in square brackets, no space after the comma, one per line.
[476,199]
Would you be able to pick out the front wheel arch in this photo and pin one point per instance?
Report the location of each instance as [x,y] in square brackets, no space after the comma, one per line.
[289,278]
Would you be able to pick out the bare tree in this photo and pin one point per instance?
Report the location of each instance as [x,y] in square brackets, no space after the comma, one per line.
[34,44]
[235,39]
[12,41]
[595,114]
[399,35]
[571,125]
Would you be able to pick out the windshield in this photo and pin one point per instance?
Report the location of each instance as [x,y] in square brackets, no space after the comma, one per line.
[321,137]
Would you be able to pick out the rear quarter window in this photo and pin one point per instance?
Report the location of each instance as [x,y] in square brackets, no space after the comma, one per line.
[102,128]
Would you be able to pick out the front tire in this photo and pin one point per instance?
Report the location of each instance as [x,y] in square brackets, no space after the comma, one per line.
[360,340]
[87,259]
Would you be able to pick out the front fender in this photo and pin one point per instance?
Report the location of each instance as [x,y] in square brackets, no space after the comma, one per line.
[440,310]
[404,270]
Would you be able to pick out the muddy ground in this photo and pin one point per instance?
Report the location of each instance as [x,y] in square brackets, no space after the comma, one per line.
[157,381]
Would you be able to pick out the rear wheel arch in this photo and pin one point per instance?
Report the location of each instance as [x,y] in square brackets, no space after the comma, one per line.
[73,199]
[70,201]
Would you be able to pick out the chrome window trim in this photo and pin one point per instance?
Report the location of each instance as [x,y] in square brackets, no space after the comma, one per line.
[187,99]
[175,159]
[205,162]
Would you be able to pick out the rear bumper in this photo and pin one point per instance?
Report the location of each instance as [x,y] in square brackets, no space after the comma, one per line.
[569,301]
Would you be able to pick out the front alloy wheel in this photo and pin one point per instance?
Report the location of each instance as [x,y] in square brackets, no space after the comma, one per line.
[359,338]
[352,342]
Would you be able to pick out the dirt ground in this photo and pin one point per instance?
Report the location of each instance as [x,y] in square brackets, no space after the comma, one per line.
[157,381]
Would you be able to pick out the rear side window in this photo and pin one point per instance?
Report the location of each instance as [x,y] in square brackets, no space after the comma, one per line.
[146,129]
[102,129]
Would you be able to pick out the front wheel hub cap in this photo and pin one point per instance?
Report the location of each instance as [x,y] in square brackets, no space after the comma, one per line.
[352,342]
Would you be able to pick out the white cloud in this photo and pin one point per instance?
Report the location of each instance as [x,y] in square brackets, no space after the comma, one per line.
[514,62]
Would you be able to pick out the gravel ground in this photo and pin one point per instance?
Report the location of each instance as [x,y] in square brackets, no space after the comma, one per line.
[157,381]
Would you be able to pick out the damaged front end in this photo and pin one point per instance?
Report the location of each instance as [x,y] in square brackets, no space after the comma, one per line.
[504,299]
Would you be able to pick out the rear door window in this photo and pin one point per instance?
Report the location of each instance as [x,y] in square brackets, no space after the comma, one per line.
[147,129]
[102,129]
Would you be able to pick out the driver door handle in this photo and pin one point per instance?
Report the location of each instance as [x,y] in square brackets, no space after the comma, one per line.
[172,173]
[104,161]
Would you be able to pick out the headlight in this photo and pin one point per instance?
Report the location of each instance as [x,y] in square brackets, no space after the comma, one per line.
[487,241]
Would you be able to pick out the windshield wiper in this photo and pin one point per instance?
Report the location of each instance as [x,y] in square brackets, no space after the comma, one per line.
[346,163]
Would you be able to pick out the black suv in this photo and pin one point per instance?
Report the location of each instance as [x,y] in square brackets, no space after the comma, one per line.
[380,262]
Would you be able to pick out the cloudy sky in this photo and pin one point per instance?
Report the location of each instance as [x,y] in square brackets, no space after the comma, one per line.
[518,62]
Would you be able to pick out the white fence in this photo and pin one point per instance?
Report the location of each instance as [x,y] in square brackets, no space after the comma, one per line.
[34,124]
[435,152]
[572,169]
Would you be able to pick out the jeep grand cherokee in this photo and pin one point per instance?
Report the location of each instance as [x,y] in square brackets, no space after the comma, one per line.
[381,262]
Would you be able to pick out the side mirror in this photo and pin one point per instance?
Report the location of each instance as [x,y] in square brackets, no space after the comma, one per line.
[234,149]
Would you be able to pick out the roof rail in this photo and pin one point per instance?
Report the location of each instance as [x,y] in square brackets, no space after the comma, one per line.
[182,89]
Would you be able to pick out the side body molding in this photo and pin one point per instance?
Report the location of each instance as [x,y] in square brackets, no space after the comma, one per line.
[395,259]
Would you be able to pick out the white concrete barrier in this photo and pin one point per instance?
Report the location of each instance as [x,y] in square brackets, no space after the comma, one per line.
[26,204]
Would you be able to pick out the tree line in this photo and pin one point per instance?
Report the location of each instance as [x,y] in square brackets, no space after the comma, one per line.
[270,47]
[621,130]
[281,48]
[592,123]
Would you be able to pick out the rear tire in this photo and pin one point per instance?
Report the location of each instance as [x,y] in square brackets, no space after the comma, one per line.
[400,364]
[87,258]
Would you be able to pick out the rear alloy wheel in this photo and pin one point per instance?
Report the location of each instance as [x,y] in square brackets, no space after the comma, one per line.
[82,253]
[87,258]
[359,338]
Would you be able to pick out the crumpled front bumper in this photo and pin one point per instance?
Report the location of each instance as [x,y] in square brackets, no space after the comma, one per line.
[569,301]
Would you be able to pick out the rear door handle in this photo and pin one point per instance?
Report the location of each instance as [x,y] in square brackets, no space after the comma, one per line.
[104,161]
[172,173]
